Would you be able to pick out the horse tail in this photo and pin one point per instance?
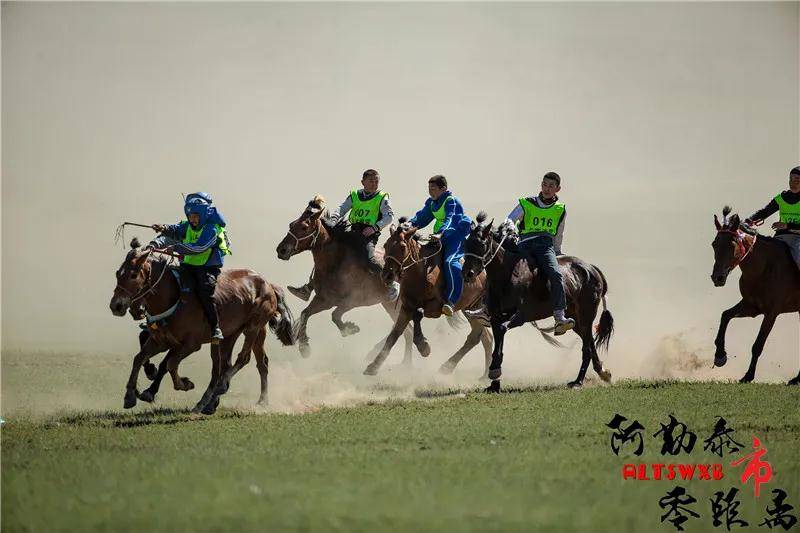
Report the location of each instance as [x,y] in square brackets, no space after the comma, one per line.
[283,327]
[605,328]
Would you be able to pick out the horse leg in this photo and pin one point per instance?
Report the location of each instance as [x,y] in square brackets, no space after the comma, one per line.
[147,351]
[241,360]
[220,355]
[149,394]
[178,382]
[586,353]
[473,338]
[403,318]
[419,337]
[262,363]
[149,368]
[495,367]
[345,328]
[408,337]
[795,381]
[739,310]
[758,346]
[316,305]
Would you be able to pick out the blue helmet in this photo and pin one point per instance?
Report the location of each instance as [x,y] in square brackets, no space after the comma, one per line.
[196,206]
[202,204]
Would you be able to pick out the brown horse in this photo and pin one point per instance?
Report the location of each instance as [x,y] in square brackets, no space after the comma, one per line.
[342,279]
[421,288]
[516,295]
[770,282]
[246,302]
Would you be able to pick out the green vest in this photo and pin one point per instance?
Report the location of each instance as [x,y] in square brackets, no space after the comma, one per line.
[191,237]
[366,211]
[789,213]
[540,219]
[439,215]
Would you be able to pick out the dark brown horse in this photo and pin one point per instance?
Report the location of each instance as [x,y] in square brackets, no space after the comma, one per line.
[342,279]
[770,283]
[515,295]
[246,303]
[421,288]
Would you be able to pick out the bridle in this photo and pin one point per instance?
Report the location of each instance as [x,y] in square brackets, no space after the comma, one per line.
[312,236]
[150,286]
[744,251]
[402,264]
[482,258]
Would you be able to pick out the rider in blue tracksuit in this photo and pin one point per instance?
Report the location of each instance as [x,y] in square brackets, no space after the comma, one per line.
[453,226]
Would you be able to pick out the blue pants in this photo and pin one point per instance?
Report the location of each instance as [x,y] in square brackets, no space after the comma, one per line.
[452,250]
[539,252]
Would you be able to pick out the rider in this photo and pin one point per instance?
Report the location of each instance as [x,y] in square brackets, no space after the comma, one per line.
[787,204]
[540,220]
[452,226]
[370,211]
[203,244]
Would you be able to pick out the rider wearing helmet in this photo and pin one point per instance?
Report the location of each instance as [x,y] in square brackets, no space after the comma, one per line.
[787,205]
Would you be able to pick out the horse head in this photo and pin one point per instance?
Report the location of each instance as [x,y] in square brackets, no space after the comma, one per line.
[730,245]
[398,251]
[304,231]
[132,278]
[477,248]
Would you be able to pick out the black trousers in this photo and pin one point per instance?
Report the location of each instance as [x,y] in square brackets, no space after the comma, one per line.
[202,280]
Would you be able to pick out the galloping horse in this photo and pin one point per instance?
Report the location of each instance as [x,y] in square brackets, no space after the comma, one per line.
[516,296]
[342,279]
[421,287]
[770,282]
[246,303]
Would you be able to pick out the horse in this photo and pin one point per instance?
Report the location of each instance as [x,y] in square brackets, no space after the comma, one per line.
[421,288]
[516,295]
[246,302]
[769,285]
[342,279]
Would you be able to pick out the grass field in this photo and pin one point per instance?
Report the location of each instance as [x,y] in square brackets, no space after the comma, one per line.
[530,459]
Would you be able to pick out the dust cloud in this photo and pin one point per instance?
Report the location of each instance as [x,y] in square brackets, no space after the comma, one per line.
[654,114]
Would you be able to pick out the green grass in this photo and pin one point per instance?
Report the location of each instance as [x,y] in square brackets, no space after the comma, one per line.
[529,459]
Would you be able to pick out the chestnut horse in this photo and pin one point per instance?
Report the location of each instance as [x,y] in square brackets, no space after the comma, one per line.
[246,304]
[770,283]
[516,295]
[342,279]
[421,288]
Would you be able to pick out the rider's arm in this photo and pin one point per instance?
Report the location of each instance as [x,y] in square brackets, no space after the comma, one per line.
[337,215]
[423,216]
[449,214]
[207,239]
[387,215]
[770,209]
[557,240]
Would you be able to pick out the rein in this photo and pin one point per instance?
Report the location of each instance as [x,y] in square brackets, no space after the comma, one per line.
[150,286]
[409,255]
[312,236]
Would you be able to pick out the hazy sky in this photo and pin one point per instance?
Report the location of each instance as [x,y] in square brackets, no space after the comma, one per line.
[655,115]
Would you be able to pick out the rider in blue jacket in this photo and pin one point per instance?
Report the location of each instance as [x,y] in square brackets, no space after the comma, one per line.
[453,227]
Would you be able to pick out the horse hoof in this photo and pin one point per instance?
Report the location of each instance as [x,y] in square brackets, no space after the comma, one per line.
[720,359]
[130,399]
[746,378]
[262,403]
[371,370]
[211,407]
[150,371]
[147,396]
[605,375]
[424,348]
[794,381]
[349,328]
[186,384]
[575,385]
[305,351]
[495,373]
[447,368]
[493,388]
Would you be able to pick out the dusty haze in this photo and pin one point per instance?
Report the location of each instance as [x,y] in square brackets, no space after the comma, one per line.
[655,115]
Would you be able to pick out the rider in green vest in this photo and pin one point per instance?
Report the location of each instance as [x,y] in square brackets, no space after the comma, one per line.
[202,243]
[368,211]
[540,220]
[787,205]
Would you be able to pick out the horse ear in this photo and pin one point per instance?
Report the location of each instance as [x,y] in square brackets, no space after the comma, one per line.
[487,230]
[716,223]
[734,225]
[392,229]
[141,258]
[410,233]
[315,215]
